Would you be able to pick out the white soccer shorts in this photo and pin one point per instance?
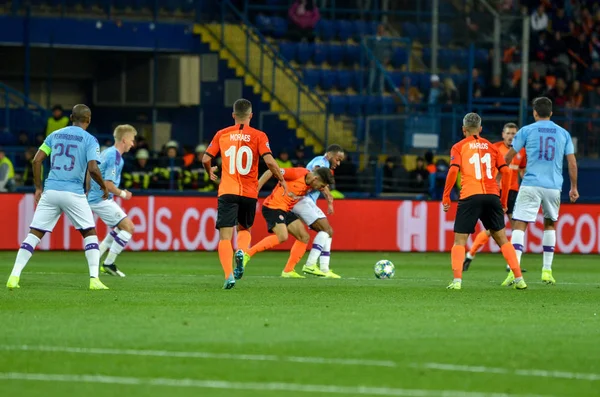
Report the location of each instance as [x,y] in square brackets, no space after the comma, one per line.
[307,210]
[109,212]
[529,200]
[53,203]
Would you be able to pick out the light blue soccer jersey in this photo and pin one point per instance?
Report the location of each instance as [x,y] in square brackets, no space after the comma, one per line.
[111,167]
[546,145]
[70,149]
[317,162]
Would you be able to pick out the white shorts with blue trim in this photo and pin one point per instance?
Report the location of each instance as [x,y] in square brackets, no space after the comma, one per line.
[109,212]
[530,199]
[53,203]
[307,210]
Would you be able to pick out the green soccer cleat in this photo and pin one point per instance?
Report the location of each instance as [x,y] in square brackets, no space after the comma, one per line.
[509,280]
[520,284]
[547,277]
[229,282]
[455,285]
[291,274]
[331,274]
[13,282]
[96,284]
[314,270]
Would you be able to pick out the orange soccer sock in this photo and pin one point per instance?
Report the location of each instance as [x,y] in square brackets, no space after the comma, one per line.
[480,240]
[297,252]
[264,244]
[243,240]
[226,256]
[458,257]
[509,253]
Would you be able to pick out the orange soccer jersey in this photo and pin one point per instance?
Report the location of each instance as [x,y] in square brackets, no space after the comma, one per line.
[477,160]
[240,147]
[296,182]
[518,162]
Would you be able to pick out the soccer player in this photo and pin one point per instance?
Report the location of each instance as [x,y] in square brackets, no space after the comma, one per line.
[307,210]
[111,214]
[240,147]
[546,145]
[517,166]
[475,158]
[72,151]
[277,211]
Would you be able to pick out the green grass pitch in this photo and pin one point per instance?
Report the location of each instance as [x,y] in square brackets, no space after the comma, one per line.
[169,330]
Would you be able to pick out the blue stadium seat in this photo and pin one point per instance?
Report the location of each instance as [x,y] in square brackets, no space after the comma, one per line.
[481,56]
[8,139]
[337,104]
[263,24]
[445,58]
[343,29]
[410,29]
[304,52]
[289,52]
[389,105]
[373,104]
[344,79]
[400,57]
[424,29]
[359,29]
[328,79]
[397,78]
[427,56]
[357,77]
[335,55]
[355,104]
[279,26]
[352,54]
[372,28]
[461,58]
[325,29]
[445,34]
[312,77]
[320,53]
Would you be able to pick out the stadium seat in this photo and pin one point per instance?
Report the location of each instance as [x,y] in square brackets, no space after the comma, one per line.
[424,31]
[325,29]
[337,104]
[263,24]
[355,104]
[311,77]
[344,79]
[279,26]
[336,54]
[400,57]
[372,28]
[359,29]
[373,104]
[320,53]
[328,79]
[357,77]
[389,105]
[410,29]
[445,34]
[343,29]
[289,52]
[304,52]
[352,54]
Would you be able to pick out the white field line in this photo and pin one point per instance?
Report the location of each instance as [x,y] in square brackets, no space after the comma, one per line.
[539,373]
[225,385]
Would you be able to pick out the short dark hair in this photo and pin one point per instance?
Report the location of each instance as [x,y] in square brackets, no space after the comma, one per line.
[325,175]
[81,114]
[510,125]
[542,106]
[334,149]
[242,107]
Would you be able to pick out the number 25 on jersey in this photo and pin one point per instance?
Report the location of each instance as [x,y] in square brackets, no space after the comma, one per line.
[477,161]
[240,160]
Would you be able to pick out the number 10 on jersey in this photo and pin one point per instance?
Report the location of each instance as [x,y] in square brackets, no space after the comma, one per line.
[236,160]
[477,161]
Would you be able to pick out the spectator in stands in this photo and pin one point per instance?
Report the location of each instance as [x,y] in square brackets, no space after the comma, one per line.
[575,96]
[382,50]
[57,121]
[284,159]
[477,89]
[431,168]
[299,159]
[537,86]
[139,174]
[419,177]
[592,75]
[169,172]
[23,139]
[560,22]
[410,91]
[539,20]
[7,173]
[496,90]
[559,93]
[39,139]
[593,99]
[28,172]
[304,16]
[395,177]
[195,176]
[435,92]
[450,95]
[541,48]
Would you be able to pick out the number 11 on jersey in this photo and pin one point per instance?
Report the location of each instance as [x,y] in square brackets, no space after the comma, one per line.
[477,160]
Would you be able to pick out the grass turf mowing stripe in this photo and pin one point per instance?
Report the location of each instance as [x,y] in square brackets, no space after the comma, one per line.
[225,385]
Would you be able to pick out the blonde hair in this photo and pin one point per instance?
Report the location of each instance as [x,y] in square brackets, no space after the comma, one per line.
[123,129]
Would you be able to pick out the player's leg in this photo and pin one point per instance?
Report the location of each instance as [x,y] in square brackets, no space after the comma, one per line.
[126,229]
[45,217]
[227,210]
[77,209]
[297,229]
[108,240]
[245,216]
[113,215]
[481,239]
[512,199]
[275,224]
[526,210]
[550,208]
[307,210]
[322,225]
[467,215]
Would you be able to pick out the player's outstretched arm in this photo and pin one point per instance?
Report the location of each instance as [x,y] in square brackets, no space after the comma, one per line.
[329,197]
[112,188]
[264,178]
[206,161]
[39,158]
[510,155]
[275,170]
[450,181]
[572,165]
[96,175]
[506,175]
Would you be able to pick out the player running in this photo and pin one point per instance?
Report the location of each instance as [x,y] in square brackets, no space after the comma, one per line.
[277,211]
[239,146]
[73,151]
[546,145]
[307,210]
[111,214]
[475,158]
[517,166]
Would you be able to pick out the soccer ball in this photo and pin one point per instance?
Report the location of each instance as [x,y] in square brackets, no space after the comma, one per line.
[384,269]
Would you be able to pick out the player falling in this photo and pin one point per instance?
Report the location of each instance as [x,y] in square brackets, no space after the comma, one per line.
[307,210]
[546,144]
[111,214]
[72,151]
[277,211]
[475,158]
[517,165]
[240,147]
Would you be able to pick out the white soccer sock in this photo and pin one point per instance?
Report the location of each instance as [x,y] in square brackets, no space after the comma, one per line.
[518,241]
[469,256]
[325,256]
[117,246]
[24,254]
[548,241]
[92,254]
[317,247]
[108,240]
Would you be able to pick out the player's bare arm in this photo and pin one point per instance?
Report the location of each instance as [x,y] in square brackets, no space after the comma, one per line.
[572,165]
[206,162]
[264,178]
[39,158]
[274,168]
[450,181]
[96,175]
[505,173]
[329,197]
[510,155]
[112,188]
